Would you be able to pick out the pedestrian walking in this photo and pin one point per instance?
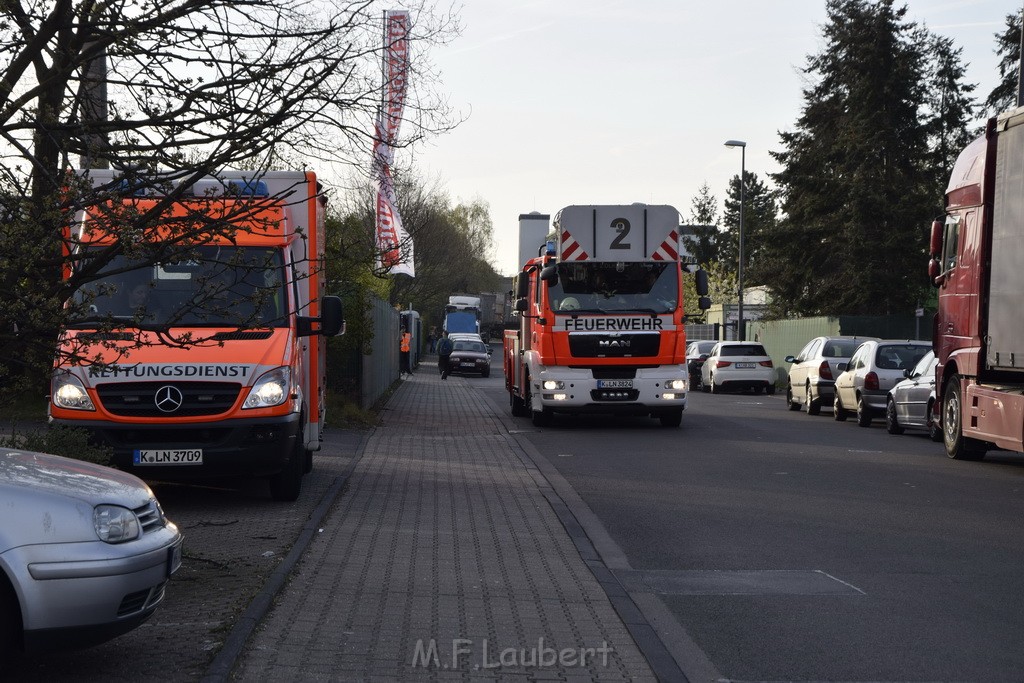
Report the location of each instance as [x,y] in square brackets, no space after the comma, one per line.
[444,352]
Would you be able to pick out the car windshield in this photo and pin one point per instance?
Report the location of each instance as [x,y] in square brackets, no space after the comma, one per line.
[743,350]
[599,287]
[223,286]
[463,345]
[924,366]
[839,348]
[899,356]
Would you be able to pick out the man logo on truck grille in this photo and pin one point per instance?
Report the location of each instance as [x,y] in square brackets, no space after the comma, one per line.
[168,399]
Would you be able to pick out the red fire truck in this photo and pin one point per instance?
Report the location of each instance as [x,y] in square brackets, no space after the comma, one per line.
[601,320]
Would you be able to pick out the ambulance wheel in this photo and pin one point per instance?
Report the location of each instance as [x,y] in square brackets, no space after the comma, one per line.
[673,419]
[286,484]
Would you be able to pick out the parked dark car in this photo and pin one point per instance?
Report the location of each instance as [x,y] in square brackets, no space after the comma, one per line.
[469,356]
[696,352]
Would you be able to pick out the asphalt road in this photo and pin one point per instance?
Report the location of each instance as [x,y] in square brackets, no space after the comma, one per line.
[790,547]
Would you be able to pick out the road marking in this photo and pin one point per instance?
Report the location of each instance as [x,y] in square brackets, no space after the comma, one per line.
[735,582]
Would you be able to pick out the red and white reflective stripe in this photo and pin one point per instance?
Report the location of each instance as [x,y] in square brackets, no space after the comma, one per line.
[571,249]
[668,249]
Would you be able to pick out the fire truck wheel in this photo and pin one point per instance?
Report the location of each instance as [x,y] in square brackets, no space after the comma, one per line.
[286,484]
[517,405]
[673,419]
[958,446]
[542,417]
[307,464]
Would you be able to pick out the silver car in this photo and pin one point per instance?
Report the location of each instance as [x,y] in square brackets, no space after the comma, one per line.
[85,552]
[874,369]
[812,375]
[910,402]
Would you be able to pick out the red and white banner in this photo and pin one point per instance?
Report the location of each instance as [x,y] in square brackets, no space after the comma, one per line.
[394,245]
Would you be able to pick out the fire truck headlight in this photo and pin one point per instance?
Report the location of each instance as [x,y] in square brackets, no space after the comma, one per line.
[676,384]
[552,384]
[69,392]
[270,390]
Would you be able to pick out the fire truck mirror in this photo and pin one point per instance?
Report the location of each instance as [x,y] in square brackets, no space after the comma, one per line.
[704,303]
[702,285]
[549,275]
[521,305]
[522,287]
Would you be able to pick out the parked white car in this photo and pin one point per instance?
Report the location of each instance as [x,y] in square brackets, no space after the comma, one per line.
[873,370]
[910,402]
[85,552]
[736,365]
[812,375]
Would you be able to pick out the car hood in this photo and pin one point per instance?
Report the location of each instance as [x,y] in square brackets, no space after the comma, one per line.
[46,475]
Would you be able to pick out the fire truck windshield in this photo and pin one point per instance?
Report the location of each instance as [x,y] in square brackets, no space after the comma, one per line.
[602,287]
[213,286]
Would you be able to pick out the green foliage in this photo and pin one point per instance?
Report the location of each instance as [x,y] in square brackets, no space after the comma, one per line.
[57,440]
[704,243]
[857,189]
[759,218]
[1004,96]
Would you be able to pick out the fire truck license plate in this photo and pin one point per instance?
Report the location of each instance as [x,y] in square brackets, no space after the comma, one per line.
[170,456]
[614,384]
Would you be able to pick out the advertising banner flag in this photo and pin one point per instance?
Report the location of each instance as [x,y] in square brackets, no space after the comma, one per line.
[394,245]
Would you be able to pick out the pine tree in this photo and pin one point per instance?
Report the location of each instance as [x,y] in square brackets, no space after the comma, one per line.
[703,244]
[1004,95]
[759,217]
[950,109]
[853,187]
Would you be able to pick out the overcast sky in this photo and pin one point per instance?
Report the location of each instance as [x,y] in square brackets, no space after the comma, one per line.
[621,101]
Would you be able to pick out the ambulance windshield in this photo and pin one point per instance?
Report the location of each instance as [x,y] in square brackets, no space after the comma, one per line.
[600,287]
[214,286]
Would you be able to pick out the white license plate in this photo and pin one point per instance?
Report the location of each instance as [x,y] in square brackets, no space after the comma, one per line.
[467,365]
[174,559]
[169,456]
[614,384]
[746,366]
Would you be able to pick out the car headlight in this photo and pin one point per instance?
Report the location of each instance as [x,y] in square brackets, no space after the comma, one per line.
[115,524]
[67,391]
[270,390]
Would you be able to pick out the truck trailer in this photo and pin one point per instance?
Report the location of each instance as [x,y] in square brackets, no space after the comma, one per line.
[977,253]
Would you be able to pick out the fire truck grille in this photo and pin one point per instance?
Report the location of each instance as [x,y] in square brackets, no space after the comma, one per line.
[617,346]
[168,399]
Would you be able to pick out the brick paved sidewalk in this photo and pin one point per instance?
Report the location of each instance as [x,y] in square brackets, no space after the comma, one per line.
[442,560]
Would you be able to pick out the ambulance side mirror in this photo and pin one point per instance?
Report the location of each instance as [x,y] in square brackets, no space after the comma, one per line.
[331,321]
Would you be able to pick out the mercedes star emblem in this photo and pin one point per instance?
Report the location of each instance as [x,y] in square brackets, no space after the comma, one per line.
[168,399]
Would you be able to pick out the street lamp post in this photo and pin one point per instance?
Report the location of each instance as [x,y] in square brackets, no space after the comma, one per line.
[741,331]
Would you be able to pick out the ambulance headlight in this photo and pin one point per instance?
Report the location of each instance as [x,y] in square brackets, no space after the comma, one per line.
[551,384]
[270,390]
[67,391]
[676,384]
